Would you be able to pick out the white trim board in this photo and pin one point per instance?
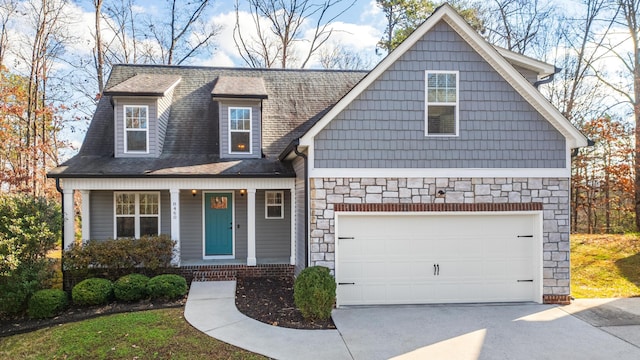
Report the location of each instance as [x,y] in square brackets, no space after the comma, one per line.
[439,173]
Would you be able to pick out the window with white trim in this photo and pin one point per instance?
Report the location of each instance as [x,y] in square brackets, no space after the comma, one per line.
[136,129]
[274,205]
[441,103]
[239,130]
[136,214]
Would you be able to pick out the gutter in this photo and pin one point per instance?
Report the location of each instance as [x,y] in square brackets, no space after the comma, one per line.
[295,145]
[59,188]
[548,79]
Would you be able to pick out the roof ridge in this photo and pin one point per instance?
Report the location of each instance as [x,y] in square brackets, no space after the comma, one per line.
[249,69]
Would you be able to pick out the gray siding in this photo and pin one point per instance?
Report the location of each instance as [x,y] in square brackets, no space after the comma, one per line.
[103,218]
[384,127]
[241,225]
[273,236]
[301,236]
[164,110]
[120,102]
[256,129]
[190,225]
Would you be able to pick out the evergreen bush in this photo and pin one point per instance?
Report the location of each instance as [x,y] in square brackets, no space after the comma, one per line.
[167,286]
[314,292]
[47,303]
[131,287]
[94,291]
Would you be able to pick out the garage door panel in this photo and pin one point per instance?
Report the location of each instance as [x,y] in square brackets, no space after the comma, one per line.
[390,258]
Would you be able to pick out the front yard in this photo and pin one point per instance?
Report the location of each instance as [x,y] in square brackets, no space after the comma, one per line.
[605,266]
[155,334]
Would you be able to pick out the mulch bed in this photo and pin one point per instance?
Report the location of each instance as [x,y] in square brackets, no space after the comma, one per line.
[270,300]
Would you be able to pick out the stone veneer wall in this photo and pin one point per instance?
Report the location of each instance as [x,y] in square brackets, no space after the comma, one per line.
[552,193]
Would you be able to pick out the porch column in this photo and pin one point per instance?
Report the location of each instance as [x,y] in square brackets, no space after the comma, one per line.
[292,260]
[251,227]
[175,224]
[85,214]
[68,237]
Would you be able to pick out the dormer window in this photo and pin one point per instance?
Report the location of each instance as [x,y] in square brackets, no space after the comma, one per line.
[239,130]
[136,129]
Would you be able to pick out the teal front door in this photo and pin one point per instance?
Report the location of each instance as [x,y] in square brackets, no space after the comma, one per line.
[218,224]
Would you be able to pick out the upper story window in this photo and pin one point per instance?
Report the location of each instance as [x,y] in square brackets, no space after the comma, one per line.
[137,214]
[239,130]
[136,129]
[441,103]
[274,205]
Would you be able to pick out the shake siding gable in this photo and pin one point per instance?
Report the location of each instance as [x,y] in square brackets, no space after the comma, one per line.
[384,126]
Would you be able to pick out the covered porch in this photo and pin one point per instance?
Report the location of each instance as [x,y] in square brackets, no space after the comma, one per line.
[216,222]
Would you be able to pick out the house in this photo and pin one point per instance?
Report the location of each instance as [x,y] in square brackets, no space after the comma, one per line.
[442,175]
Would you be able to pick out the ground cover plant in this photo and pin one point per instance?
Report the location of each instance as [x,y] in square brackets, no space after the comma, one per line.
[156,334]
[604,266]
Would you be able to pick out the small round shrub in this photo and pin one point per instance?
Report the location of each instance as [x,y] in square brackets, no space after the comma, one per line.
[47,303]
[93,291]
[167,286]
[314,292]
[131,287]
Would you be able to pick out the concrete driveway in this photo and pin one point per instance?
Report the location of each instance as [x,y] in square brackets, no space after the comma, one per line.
[522,331]
[586,329]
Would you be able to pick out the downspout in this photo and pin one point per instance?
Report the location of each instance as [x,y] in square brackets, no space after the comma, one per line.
[306,201]
[548,79]
[59,188]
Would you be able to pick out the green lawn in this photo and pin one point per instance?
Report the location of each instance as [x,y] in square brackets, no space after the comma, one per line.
[156,334]
[605,266]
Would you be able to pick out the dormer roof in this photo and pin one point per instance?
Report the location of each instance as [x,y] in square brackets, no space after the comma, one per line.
[144,85]
[239,87]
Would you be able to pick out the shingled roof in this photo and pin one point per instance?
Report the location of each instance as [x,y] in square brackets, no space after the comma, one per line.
[293,101]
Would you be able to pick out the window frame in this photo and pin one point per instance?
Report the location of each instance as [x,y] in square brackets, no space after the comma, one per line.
[267,204]
[137,215]
[250,131]
[456,105]
[126,129]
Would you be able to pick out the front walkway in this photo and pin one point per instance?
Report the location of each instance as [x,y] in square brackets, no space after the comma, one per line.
[211,308]
[466,331]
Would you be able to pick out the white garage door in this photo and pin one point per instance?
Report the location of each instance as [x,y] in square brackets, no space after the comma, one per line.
[452,258]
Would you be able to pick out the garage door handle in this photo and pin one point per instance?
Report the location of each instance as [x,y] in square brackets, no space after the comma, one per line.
[525,280]
[346,283]
[345,238]
[528,236]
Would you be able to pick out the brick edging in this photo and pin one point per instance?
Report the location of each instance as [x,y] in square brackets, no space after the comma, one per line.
[533,206]
[556,299]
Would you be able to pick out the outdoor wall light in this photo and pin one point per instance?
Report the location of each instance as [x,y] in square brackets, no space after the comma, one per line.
[440,192]
[242,192]
[194,192]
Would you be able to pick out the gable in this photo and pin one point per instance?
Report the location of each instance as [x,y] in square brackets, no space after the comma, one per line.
[384,126]
[447,14]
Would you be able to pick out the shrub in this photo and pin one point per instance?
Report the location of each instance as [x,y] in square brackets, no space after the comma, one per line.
[94,291]
[131,287]
[29,229]
[314,292]
[149,252]
[47,303]
[167,286]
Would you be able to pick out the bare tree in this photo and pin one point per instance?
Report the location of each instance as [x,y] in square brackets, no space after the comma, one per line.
[341,58]
[98,49]
[518,23]
[279,27]
[185,34]
[7,10]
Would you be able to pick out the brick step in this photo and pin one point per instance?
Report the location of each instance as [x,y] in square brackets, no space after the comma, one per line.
[214,275]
